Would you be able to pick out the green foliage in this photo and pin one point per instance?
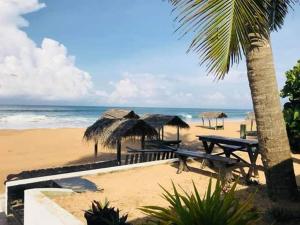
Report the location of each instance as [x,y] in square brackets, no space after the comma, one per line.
[224,30]
[291,88]
[215,208]
[221,29]
[102,214]
[291,109]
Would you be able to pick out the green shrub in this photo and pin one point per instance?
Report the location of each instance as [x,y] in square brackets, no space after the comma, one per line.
[102,214]
[215,208]
[291,109]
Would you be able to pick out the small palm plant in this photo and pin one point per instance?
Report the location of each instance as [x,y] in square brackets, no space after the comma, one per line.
[103,214]
[215,208]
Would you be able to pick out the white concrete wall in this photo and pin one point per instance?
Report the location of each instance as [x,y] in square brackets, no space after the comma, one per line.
[79,174]
[41,210]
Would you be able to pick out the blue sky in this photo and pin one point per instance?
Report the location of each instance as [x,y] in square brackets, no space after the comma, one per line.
[122,52]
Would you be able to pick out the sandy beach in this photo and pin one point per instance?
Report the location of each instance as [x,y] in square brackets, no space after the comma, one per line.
[43,148]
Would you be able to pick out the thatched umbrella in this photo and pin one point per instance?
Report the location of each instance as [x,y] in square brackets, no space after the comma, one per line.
[94,131]
[213,115]
[120,114]
[124,129]
[158,121]
[251,116]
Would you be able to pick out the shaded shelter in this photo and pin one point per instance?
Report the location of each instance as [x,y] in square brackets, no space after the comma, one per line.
[158,121]
[213,116]
[134,129]
[94,131]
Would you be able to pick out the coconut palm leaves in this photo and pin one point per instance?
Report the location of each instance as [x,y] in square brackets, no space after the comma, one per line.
[276,11]
[221,29]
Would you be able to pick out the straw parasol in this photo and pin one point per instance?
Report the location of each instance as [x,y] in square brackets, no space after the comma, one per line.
[133,129]
[120,114]
[213,115]
[158,121]
[94,131]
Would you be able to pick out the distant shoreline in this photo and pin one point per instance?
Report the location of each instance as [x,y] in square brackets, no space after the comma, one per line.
[237,120]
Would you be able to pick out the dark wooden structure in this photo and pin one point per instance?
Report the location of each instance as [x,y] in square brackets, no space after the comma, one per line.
[224,165]
[146,155]
[229,146]
[210,120]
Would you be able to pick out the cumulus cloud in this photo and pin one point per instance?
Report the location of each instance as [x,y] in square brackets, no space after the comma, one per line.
[31,71]
[147,89]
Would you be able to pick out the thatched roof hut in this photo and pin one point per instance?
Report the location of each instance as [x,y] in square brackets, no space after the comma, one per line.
[112,135]
[127,128]
[213,116]
[158,121]
[120,114]
[95,131]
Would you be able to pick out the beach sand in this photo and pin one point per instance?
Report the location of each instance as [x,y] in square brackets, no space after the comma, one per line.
[43,148]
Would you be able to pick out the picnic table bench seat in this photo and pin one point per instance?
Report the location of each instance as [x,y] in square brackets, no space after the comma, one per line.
[223,164]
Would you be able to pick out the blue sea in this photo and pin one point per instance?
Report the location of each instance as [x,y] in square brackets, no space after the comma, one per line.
[25,116]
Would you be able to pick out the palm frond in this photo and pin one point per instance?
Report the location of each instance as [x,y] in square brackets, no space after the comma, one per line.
[221,28]
[277,10]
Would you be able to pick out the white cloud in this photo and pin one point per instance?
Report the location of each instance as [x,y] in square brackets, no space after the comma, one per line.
[147,89]
[45,72]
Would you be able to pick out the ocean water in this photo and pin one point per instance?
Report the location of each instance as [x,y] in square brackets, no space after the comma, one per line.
[24,117]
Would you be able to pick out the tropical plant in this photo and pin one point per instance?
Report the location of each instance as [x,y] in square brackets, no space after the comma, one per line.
[225,31]
[103,214]
[215,208]
[291,110]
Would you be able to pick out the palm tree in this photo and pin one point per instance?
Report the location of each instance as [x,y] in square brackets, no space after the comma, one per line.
[225,31]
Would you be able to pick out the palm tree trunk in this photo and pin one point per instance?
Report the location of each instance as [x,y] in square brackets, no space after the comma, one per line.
[272,136]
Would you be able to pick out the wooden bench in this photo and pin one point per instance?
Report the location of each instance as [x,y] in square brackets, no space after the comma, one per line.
[223,164]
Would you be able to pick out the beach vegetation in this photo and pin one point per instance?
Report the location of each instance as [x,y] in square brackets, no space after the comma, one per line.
[291,109]
[223,33]
[103,214]
[217,207]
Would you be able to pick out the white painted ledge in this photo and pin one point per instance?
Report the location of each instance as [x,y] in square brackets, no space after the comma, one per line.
[40,209]
[79,174]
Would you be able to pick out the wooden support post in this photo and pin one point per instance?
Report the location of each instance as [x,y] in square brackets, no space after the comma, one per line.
[143,141]
[251,124]
[119,152]
[216,123]
[202,121]
[96,149]
[178,136]
[162,133]
[209,124]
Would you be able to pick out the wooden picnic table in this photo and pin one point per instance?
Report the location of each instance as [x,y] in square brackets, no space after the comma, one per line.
[231,145]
